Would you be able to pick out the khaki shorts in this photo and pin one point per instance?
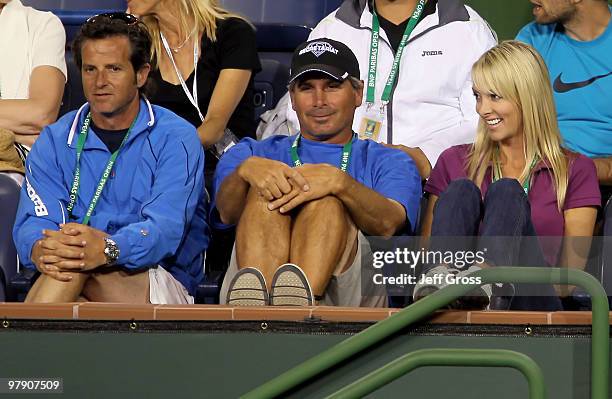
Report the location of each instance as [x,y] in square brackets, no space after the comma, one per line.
[164,289]
[344,288]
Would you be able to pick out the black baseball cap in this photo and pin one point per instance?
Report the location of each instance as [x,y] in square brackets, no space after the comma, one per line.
[324,55]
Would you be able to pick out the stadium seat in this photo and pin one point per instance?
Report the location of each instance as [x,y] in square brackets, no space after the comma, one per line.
[270,85]
[76,4]
[295,12]
[43,4]
[9,198]
[208,291]
[275,45]
[73,91]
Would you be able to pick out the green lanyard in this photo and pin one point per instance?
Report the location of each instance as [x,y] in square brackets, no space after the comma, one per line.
[77,173]
[344,160]
[398,55]
[497,172]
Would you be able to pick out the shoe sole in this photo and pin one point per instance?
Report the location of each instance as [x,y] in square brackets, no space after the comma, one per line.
[248,288]
[290,287]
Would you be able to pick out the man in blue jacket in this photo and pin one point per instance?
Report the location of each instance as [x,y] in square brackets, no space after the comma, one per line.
[113,208]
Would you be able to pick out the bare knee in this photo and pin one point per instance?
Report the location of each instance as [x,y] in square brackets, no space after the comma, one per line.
[49,290]
[325,208]
[257,222]
[256,208]
[118,286]
[262,235]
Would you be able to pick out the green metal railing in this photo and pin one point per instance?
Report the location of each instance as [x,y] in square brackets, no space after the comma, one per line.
[447,357]
[600,351]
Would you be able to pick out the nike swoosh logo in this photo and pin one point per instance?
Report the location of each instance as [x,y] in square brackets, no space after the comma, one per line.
[562,87]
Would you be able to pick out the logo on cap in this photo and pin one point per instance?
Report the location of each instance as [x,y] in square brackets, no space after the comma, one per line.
[318,48]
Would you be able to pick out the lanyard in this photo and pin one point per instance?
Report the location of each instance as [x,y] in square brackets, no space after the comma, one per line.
[344,160]
[193,97]
[77,173]
[497,172]
[398,55]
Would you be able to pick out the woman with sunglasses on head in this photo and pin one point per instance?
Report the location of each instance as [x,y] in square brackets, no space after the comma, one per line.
[206,58]
[515,180]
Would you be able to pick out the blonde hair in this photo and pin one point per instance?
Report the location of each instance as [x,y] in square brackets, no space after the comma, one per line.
[515,71]
[206,13]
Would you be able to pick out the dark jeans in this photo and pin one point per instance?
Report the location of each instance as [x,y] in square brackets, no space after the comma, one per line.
[501,224]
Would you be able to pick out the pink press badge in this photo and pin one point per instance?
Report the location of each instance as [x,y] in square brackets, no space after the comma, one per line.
[371,123]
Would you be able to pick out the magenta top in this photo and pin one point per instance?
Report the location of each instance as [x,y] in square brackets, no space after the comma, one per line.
[582,190]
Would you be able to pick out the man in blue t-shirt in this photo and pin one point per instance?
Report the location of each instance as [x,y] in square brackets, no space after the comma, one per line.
[575,40]
[302,203]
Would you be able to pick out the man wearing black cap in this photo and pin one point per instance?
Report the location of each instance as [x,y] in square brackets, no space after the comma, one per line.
[415,58]
[302,203]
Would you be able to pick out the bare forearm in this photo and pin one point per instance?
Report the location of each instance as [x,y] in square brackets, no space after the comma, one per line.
[575,252]
[228,91]
[211,131]
[25,117]
[371,212]
[579,225]
[574,255]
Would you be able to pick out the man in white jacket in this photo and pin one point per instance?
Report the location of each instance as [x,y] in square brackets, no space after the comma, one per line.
[427,104]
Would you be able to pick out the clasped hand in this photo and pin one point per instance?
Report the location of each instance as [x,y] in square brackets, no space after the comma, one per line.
[286,188]
[74,248]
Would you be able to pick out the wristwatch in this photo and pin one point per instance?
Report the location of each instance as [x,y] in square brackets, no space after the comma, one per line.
[111,251]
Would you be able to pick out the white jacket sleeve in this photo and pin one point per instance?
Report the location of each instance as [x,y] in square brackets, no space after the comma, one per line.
[483,39]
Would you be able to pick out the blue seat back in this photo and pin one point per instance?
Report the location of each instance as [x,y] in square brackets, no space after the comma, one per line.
[9,198]
[76,4]
[294,12]
[270,85]
[73,90]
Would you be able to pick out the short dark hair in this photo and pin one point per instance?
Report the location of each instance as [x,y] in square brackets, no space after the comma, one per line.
[117,24]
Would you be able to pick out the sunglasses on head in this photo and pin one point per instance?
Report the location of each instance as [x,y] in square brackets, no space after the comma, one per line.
[129,19]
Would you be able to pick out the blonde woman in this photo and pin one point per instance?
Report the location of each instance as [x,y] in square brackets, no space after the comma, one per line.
[206,58]
[515,180]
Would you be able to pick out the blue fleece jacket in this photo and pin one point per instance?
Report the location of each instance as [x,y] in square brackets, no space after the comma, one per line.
[153,205]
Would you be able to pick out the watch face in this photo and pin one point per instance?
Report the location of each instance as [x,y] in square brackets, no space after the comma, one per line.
[111,251]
